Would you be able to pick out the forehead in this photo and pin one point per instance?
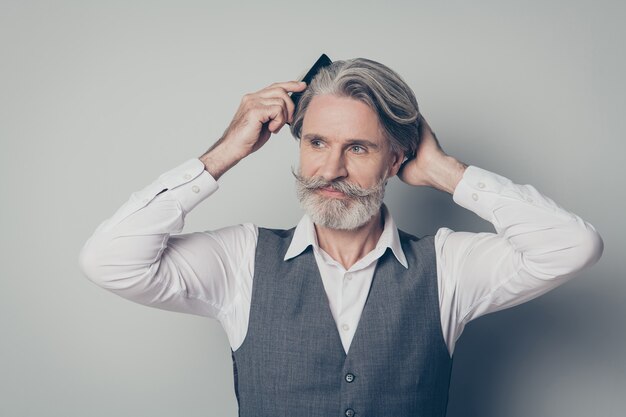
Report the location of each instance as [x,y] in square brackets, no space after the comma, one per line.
[341,118]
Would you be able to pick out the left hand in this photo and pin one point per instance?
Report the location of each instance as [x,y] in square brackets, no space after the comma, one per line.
[416,171]
[431,166]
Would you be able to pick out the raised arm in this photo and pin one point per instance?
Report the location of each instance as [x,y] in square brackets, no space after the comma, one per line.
[259,115]
[136,253]
[538,245]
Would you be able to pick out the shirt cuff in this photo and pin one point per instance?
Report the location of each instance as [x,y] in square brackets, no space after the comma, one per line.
[189,183]
[479,191]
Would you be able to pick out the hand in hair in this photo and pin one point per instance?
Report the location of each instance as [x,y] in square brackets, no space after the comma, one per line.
[431,166]
[259,115]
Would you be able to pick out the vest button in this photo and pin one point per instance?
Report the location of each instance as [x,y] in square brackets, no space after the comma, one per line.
[350,412]
[349,377]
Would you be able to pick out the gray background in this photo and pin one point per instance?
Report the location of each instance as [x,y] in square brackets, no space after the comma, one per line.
[99,98]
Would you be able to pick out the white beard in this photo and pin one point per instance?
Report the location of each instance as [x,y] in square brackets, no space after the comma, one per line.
[348,213]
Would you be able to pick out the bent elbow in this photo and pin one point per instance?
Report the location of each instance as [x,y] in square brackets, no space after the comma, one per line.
[102,264]
[577,248]
[590,247]
[585,249]
[95,264]
[89,265]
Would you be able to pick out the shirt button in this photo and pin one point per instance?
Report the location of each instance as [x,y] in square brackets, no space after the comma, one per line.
[195,189]
[529,199]
[187,176]
[348,275]
[349,377]
[481,185]
[475,197]
[350,412]
[345,327]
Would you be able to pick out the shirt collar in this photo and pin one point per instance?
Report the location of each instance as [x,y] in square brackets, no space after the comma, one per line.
[305,235]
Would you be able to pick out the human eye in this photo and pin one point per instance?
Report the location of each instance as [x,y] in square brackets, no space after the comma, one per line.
[316,143]
[357,149]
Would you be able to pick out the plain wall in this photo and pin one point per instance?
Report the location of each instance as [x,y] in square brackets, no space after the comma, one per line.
[97,99]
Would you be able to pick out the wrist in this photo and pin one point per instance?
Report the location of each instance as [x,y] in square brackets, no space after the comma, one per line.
[219,159]
[445,173]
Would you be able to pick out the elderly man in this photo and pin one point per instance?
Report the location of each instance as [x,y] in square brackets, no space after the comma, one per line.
[343,315]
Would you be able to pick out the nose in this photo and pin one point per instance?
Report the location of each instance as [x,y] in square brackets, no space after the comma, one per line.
[334,166]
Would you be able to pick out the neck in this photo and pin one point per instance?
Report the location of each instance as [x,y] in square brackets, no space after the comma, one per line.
[348,246]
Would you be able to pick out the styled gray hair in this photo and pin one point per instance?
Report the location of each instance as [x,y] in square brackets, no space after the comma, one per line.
[376,85]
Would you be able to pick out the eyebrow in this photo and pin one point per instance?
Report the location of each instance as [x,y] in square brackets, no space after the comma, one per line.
[357,141]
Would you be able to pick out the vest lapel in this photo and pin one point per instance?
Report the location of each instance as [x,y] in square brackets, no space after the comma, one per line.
[374,310]
[312,278]
[378,297]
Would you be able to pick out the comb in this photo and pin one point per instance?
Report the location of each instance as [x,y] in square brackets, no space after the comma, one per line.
[322,61]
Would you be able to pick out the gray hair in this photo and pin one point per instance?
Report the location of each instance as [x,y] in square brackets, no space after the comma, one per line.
[376,85]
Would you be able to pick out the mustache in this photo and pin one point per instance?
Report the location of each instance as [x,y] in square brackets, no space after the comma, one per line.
[349,189]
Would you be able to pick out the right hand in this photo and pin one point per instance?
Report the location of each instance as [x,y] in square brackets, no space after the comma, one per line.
[259,115]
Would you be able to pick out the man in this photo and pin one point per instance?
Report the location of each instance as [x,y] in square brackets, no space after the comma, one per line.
[344,314]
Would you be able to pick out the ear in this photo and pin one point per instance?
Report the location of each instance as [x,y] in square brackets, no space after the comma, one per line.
[397,158]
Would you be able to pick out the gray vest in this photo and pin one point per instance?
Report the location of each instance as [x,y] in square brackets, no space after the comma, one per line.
[292,362]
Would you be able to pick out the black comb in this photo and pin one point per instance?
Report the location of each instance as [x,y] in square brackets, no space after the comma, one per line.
[322,61]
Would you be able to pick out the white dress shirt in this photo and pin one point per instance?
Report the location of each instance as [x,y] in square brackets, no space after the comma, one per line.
[138,254]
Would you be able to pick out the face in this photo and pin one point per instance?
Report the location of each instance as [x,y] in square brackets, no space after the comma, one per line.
[344,162]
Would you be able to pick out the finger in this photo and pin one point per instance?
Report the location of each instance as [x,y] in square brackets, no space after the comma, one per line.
[279,92]
[277,101]
[278,121]
[274,114]
[289,85]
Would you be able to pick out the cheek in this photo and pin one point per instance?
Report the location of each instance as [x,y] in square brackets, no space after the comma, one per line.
[309,162]
[367,172]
